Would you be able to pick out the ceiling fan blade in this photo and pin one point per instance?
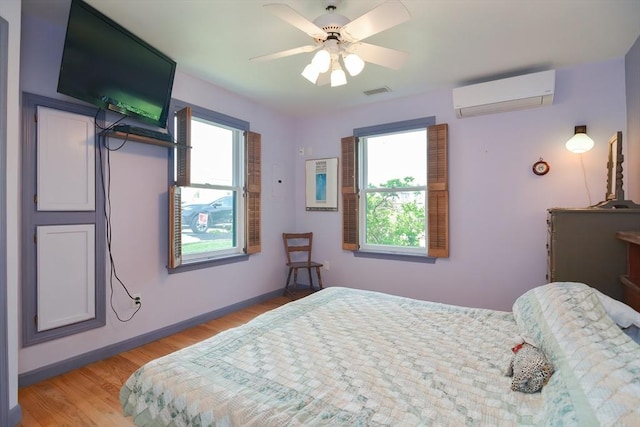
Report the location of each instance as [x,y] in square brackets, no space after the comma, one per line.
[383,17]
[289,15]
[386,57]
[282,54]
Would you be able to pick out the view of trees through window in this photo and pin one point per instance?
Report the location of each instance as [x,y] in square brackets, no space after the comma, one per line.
[395,171]
[396,218]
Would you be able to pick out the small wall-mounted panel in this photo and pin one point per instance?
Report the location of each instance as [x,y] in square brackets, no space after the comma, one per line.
[65,275]
[66,161]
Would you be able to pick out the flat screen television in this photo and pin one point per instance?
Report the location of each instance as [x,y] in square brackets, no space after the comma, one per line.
[110,67]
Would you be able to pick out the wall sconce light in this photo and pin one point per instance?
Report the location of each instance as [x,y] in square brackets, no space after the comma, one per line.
[580,142]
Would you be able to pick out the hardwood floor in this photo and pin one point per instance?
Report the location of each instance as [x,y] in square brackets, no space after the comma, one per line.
[89,396]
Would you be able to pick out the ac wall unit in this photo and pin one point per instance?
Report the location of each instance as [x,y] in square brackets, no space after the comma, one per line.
[513,93]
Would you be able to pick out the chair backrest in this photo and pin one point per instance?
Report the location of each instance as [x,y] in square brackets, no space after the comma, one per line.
[297,243]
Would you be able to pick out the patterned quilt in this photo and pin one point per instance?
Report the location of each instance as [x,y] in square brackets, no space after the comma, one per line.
[348,357]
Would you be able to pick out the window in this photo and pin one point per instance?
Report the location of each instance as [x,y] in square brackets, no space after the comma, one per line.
[395,195]
[213,212]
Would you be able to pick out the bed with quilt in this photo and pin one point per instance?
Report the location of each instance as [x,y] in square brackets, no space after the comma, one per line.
[348,357]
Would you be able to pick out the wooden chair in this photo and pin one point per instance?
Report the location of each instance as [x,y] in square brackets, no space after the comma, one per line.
[298,248]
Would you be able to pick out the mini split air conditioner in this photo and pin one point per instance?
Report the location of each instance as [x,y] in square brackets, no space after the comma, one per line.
[513,93]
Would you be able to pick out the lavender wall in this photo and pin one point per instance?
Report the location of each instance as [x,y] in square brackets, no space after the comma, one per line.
[139,214]
[632,140]
[497,205]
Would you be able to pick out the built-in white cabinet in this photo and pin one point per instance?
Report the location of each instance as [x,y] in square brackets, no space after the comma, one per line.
[64,234]
[65,161]
[66,275]
[65,258]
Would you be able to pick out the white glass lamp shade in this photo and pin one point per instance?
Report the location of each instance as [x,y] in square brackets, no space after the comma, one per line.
[311,73]
[354,64]
[338,78]
[580,142]
[322,61]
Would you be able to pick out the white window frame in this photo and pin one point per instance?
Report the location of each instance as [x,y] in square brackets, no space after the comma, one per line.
[363,156]
[379,130]
[237,188]
[239,128]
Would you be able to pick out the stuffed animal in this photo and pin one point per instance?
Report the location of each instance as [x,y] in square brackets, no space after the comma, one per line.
[529,367]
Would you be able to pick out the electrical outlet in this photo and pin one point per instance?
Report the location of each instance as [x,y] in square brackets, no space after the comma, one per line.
[325,265]
[136,301]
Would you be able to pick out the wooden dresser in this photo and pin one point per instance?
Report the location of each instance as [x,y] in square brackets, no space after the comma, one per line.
[631,280]
[582,246]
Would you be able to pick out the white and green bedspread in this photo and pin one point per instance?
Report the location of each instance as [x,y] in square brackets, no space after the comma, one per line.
[347,357]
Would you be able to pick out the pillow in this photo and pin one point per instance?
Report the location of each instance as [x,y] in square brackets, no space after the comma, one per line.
[621,313]
[597,366]
[541,311]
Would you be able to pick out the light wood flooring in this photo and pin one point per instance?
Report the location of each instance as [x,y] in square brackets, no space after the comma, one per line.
[89,396]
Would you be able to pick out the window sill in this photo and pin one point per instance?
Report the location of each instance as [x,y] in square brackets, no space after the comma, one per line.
[395,257]
[198,265]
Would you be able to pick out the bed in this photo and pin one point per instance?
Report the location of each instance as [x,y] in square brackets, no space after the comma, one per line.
[349,357]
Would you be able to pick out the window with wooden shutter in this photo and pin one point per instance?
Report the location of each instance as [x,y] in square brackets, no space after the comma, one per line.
[438,188]
[175,227]
[214,197]
[183,152]
[254,188]
[395,190]
[349,194]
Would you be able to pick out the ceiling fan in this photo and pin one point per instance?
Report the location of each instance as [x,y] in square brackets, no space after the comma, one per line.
[335,36]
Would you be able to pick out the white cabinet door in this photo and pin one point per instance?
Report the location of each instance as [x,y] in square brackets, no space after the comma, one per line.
[65,274]
[66,161]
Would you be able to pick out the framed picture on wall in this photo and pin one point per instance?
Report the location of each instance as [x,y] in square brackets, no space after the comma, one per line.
[321,184]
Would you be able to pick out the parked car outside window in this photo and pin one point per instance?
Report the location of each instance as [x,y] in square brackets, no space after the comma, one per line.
[200,217]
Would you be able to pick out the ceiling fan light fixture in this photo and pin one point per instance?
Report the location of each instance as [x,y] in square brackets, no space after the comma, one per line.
[322,61]
[311,73]
[337,36]
[353,63]
[338,78]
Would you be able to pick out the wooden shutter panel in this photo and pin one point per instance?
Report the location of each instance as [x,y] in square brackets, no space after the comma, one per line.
[438,189]
[183,179]
[183,151]
[175,227]
[254,187]
[349,193]
[438,227]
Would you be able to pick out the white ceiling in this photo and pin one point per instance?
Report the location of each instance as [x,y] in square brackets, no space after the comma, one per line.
[450,42]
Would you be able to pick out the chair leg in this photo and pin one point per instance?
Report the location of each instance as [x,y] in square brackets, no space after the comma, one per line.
[319,277]
[295,279]
[310,279]
[286,286]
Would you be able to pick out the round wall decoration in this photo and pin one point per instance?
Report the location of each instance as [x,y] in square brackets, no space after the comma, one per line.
[541,167]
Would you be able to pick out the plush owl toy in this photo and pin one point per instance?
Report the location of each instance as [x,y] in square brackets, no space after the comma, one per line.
[529,367]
